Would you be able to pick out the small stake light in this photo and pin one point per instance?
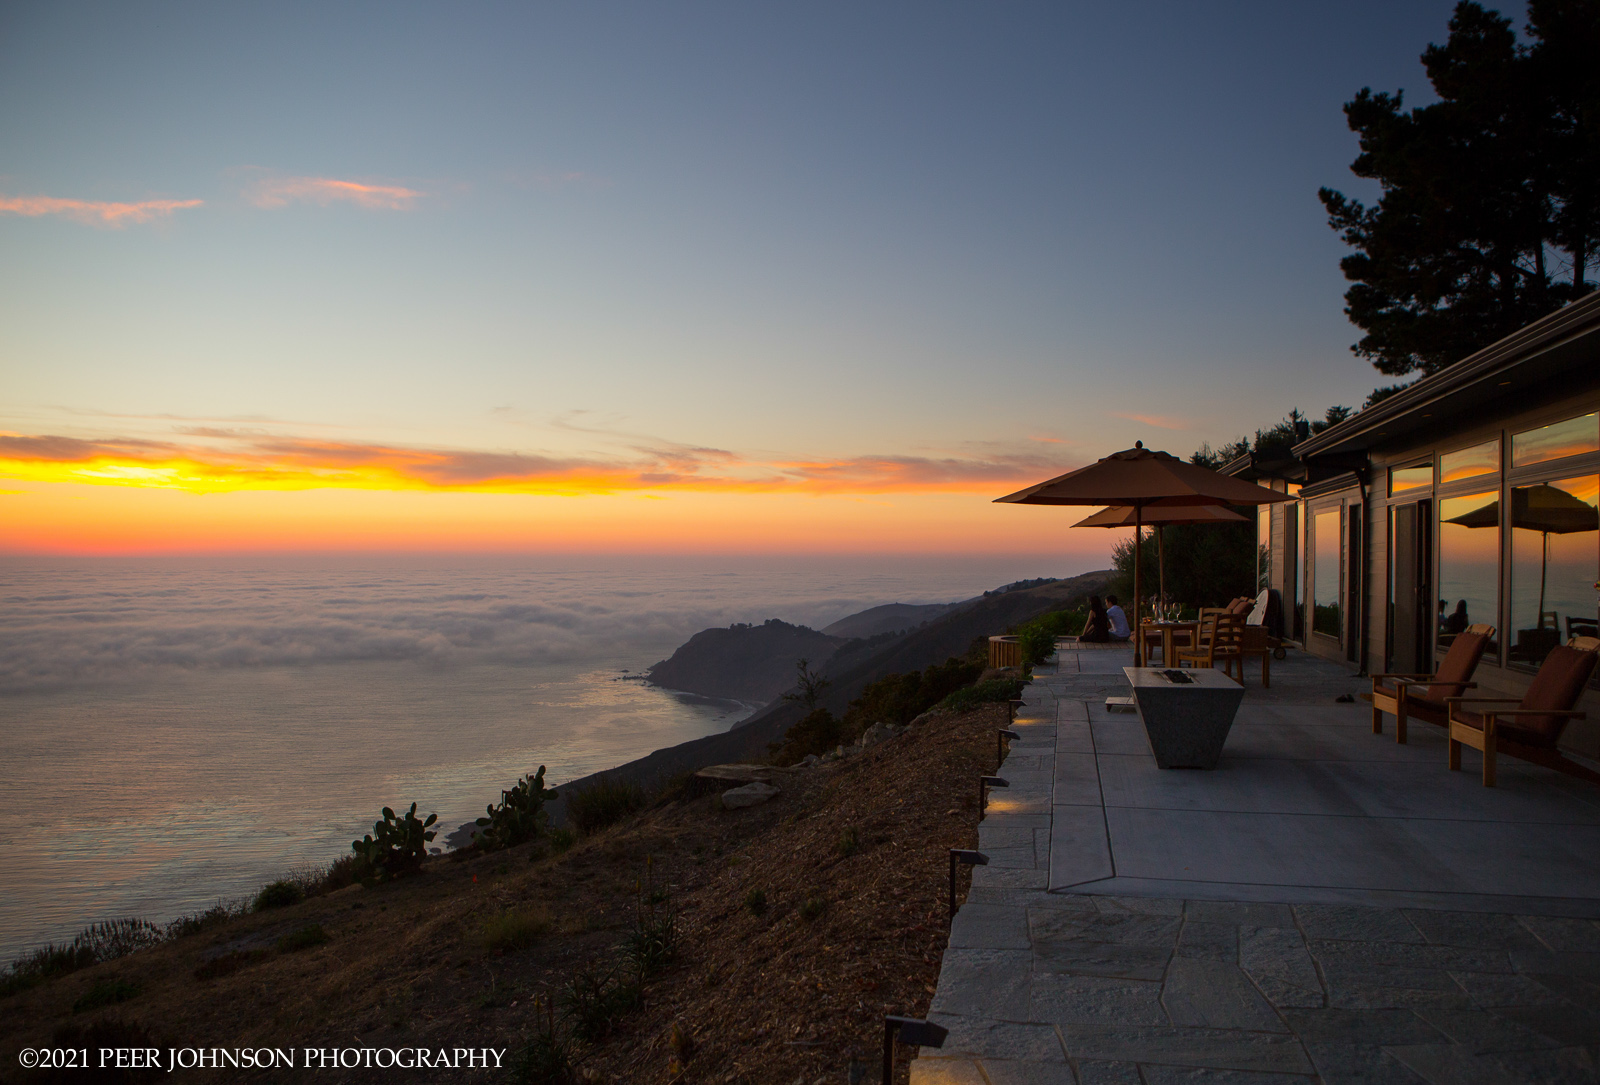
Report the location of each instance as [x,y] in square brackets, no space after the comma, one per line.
[912,1033]
[1014,704]
[1000,744]
[984,784]
[967,857]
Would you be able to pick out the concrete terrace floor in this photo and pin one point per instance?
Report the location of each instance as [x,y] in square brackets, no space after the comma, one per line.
[1326,905]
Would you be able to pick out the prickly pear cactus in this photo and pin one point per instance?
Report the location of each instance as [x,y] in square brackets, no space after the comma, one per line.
[396,845]
[520,815]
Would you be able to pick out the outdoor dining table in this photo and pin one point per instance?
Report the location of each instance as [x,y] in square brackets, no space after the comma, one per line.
[1167,631]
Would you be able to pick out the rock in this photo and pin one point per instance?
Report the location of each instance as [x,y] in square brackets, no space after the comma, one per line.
[736,774]
[753,794]
[809,759]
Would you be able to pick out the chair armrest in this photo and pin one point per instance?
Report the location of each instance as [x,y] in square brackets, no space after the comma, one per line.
[1570,713]
[1376,676]
[1483,700]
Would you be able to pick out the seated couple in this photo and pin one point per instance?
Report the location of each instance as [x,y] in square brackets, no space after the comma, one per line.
[1106,621]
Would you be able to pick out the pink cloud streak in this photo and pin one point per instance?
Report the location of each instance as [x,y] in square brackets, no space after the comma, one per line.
[275,192]
[93,212]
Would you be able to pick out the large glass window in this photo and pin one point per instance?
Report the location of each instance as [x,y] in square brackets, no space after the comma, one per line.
[1325,587]
[1402,479]
[1481,459]
[1555,561]
[1569,438]
[1469,566]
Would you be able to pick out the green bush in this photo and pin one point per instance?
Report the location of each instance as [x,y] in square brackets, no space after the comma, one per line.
[817,733]
[985,692]
[561,839]
[106,993]
[519,817]
[279,894]
[594,998]
[214,916]
[515,929]
[304,938]
[849,842]
[813,908]
[396,845]
[1038,637]
[546,1059]
[755,901]
[605,802]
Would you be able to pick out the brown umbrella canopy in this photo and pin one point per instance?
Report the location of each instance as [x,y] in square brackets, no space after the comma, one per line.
[1140,478]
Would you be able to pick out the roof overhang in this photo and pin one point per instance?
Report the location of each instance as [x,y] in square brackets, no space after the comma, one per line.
[1562,345]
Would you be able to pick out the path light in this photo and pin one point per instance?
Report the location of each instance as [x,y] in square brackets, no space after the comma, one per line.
[1000,745]
[912,1033]
[1014,704]
[984,784]
[967,857]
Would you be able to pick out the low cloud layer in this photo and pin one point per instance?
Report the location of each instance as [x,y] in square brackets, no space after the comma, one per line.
[113,622]
[215,460]
[93,212]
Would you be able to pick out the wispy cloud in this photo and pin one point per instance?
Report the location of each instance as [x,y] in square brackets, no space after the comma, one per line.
[219,460]
[275,192]
[1156,420]
[93,212]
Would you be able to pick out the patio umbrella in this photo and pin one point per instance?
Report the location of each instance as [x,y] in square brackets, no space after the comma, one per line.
[1141,478]
[1159,518]
[1546,509]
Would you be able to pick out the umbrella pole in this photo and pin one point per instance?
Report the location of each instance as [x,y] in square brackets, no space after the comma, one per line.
[1138,634]
[1544,564]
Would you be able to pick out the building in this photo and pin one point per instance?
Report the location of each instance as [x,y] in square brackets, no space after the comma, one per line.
[1471,496]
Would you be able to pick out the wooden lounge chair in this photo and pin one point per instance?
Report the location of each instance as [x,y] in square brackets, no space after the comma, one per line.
[1533,728]
[1221,637]
[1422,696]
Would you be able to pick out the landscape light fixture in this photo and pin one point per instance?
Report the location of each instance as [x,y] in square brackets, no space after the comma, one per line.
[984,784]
[1014,704]
[912,1033]
[1000,745]
[967,857]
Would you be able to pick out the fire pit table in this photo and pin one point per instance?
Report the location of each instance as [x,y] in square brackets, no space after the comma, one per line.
[1187,713]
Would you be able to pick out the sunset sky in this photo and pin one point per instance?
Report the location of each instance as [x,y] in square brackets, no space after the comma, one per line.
[657,277]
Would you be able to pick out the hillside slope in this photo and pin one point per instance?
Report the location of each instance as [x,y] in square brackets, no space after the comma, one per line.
[947,636]
[888,618]
[743,662]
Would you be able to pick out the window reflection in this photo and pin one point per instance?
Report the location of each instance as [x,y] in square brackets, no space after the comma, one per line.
[1263,548]
[1469,566]
[1569,438]
[1555,561]
[1402,479]
[1325,589]
[1481,459]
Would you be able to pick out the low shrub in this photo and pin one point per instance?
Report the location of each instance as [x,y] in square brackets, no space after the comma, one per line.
[605,802]
[817,733]
[214,916]
[594,998]
[515,929]
[813,908]
[310,935]
[755,902]
[546,1059]
[652,943]
[1038,637]
[849,842]
[278,894]
[561,839]
[119,937]
[106,993]
[985,692]
[105,941]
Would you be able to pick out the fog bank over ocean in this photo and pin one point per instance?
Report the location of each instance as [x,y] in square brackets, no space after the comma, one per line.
[176,730]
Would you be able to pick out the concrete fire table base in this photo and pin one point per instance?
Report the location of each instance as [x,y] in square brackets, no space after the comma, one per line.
[1187,722]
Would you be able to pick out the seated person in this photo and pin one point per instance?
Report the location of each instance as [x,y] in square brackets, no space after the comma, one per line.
[1098,628]
[1118,620]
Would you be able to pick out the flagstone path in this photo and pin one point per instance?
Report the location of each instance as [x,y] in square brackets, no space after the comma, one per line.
[1326,906]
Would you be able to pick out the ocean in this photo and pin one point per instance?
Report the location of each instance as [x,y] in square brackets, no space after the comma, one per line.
[175,732]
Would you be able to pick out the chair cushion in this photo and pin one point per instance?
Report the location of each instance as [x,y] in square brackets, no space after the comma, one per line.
[1558,685]
[1456,668]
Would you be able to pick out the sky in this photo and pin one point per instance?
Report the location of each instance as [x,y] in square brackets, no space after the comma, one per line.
[680,278]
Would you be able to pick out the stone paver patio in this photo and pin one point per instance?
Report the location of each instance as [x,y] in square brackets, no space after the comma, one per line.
[1325,906]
